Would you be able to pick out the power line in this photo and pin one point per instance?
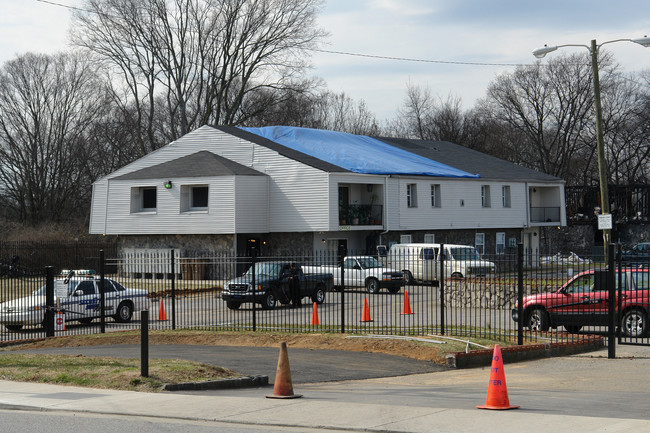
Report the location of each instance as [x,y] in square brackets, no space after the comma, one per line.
[406,59]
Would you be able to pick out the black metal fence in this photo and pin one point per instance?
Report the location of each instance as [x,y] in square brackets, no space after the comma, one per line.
[443,292]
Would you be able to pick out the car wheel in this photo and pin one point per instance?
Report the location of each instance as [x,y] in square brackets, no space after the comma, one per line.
[408,277]
[124,312]
[372,285]
[634,323]
[14,328]
[233,305]
[456,276]
[86,320]
[538,320]
[319,295]
[269,300]
[393,290]
[573,328]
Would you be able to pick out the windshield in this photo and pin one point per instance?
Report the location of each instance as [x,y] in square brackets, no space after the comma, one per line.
[265,268]
[464,253]
[369,262]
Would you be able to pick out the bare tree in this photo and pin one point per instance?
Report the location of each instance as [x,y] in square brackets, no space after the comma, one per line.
[426,117]
[195,62]
[47,104]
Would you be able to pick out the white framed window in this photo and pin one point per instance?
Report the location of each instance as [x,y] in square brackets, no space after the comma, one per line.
[429,238]
[435,195]
[505,195]
[501,243]
[411,195]
[479,243]
[144,199]
[485,195]
[405,239]
[194,198]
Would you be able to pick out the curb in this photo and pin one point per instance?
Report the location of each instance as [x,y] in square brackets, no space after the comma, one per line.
[483,358]
[239,382]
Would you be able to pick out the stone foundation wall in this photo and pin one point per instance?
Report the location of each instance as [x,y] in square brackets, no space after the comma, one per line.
[470,293]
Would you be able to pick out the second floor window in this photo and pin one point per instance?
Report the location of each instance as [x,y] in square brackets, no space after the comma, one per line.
[485,195]
[411,195]
[435,195]
[505,195]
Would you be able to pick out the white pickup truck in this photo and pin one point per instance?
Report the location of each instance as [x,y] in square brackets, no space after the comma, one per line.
[362,271]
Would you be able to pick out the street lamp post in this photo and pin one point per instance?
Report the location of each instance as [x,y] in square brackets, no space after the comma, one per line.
[600,145]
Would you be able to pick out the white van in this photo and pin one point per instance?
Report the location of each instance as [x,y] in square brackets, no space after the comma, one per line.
[421,262]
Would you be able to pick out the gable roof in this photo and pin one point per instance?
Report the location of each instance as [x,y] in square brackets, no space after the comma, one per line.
[357,153]
[199,164]
[473,161]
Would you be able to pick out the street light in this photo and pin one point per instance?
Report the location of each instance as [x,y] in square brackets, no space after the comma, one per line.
[602,164]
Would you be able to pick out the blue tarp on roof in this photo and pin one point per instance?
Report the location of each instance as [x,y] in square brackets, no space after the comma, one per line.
[357,153]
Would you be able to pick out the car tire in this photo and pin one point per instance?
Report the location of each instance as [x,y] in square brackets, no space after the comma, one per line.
[233,305]
[372,285]
[268,301]
[319,294]
[408,277]
[537,320]
[14,328]
[393,290]
[456,276]
[124,312]
[573,329]
[634,323]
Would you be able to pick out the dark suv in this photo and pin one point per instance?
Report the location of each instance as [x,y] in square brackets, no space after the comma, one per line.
[583,301]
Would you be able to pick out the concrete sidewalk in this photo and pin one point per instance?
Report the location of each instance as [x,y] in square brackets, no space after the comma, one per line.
[585,392]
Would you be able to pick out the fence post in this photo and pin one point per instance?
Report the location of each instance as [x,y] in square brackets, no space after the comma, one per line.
[49,301]
[520,293]
[611,286]
[102,297]
[144,343]
[253,280]
[441,254]
[173,291]
[342,253]
[619,266]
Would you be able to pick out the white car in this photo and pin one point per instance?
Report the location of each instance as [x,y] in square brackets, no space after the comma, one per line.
[82,303]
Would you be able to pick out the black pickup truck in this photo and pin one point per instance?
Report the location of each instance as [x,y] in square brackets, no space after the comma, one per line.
[272,282]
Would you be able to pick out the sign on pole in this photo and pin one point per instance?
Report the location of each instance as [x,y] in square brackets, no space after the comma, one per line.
[605,222]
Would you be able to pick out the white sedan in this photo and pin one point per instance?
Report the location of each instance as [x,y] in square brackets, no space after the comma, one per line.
[82,303]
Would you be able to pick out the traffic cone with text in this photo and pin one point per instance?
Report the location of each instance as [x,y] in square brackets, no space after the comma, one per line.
[365,316]
[283,387]
[406,309]
[161,311]
[314,316]
[497,396]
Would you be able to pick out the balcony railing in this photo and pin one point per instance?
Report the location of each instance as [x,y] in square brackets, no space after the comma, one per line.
[545,214]
[361,215]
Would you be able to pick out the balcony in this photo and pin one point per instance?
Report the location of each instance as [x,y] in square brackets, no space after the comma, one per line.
[545,214]
[361,215]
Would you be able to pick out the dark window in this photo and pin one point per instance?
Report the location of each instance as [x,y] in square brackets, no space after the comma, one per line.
[86,287]
[148,198]
[199,196]
[108,286]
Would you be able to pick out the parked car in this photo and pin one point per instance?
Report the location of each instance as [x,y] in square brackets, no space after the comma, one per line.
[421,261]
[583,301]
[639,254]
[364,271]
[82,302]
[272,286]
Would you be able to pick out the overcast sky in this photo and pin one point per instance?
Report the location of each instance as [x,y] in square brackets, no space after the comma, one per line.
[438,31]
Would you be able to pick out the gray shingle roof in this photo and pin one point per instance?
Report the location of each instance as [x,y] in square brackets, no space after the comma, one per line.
[199,164]
[469,160]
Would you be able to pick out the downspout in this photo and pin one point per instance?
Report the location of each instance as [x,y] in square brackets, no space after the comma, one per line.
[385,211]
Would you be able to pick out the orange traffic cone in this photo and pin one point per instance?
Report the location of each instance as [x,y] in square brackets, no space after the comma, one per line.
[161,312]
[497,396]
[314,316]
[283,387]
[406,309]
[365,316]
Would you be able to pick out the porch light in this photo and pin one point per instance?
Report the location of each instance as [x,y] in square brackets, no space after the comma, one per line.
[168,184]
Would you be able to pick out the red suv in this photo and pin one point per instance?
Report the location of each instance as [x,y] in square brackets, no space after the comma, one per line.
[583,301]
